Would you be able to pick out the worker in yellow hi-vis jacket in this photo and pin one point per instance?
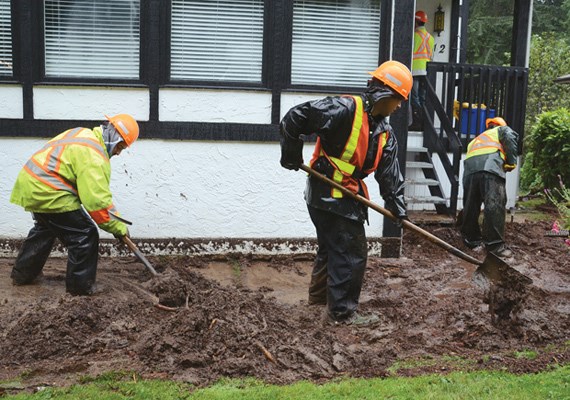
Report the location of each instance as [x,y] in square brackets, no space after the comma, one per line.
[58,184]
[489,157]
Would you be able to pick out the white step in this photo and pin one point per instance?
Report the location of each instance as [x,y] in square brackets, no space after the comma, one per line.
[417,149]
[426,199]
[422,181]
[418,164]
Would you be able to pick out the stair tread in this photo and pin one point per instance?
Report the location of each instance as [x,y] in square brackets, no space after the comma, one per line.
[426,199]
[423,181]
[418,164]
[417,149]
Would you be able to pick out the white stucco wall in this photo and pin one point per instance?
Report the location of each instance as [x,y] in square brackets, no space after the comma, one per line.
[188,189]
[11,102]
[53,102]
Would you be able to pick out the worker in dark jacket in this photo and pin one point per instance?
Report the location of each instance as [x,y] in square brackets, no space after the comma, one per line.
[489,157]
[353,140]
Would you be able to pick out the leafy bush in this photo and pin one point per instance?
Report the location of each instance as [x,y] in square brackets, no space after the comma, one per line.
[548,151]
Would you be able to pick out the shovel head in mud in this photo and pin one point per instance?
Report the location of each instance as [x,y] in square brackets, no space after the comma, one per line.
[495,270]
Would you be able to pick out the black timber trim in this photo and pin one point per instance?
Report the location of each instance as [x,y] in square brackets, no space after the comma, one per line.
[386,8]
[150,18]
[278,47]
[401,51]
[454,35]
[150,130]
[464,35]
[521,28]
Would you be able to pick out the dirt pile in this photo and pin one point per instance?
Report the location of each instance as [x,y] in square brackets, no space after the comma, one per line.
[249,317]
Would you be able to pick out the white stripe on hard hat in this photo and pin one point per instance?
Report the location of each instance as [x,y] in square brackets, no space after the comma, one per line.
[123,127]
[393,79]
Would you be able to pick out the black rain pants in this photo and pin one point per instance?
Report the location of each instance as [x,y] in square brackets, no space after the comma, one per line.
[77,233]
[339,266]
[488,189]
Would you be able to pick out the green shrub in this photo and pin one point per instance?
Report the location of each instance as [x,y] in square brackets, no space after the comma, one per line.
[548,150]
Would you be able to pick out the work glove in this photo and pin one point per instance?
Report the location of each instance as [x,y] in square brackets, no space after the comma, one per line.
[397,207]
[509,167]
[120,237]
[291,152]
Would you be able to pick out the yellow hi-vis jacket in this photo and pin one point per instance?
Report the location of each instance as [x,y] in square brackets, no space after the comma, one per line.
[70,170]
[423,50]
[486,143]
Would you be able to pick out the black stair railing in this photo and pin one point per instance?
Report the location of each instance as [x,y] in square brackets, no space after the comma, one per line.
[472,93]
[443,142]
[462,97]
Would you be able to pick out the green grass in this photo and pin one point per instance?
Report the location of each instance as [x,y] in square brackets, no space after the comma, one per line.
[552,384]
[444,362]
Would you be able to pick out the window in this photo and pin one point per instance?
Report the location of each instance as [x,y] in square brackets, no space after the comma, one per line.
[217,40]
[92,38]
[5,38]
[335,42]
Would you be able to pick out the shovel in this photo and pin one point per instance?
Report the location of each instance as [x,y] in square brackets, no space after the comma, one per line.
[492,268]
[126,240]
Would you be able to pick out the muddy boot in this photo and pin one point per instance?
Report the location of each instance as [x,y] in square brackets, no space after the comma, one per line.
[318,285]
[357,319]
[502,251]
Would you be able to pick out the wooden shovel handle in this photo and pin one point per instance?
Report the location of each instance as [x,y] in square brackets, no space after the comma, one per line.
[127,240]
[406,224]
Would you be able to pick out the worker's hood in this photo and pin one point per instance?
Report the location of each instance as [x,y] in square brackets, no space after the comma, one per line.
[111,138]
[377,91]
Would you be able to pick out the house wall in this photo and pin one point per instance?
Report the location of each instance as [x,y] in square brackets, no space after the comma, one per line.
[182,189]
[197,189]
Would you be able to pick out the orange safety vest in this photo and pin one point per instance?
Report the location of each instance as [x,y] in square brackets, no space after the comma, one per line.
[423,51]
[353,156]
[486,143]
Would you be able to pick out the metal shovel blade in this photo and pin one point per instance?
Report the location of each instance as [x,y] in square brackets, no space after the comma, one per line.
[495,270]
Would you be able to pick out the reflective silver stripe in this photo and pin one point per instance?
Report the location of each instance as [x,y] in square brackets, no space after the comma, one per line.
[52,180]
[54,158]
[89,142]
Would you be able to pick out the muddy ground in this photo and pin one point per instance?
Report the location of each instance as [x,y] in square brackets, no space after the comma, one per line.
[238,317]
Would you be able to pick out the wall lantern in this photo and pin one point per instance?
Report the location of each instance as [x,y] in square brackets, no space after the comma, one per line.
[439,21]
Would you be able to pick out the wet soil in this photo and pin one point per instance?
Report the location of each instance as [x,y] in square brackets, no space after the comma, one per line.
[202,319]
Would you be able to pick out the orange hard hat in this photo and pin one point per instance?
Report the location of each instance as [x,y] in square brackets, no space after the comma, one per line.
[421,16]
[396,76]
[496,121]
[127,127]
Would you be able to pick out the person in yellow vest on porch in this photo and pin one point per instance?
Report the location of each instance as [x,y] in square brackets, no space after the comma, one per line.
[422,53]
[489,157]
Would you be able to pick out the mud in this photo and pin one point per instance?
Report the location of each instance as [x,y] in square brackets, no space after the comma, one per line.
[202,319]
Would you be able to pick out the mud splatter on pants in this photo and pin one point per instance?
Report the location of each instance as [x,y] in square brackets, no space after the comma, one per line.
[488,189]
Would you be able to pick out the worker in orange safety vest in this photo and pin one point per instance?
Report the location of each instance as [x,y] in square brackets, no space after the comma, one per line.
[422,53]
[65,185]
[489,157]
[354,139]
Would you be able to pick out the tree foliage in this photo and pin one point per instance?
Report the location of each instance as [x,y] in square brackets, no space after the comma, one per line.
[548,60]
[490,31]
[491,22]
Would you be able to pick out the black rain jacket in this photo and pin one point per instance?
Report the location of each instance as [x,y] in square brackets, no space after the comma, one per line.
[331,119]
